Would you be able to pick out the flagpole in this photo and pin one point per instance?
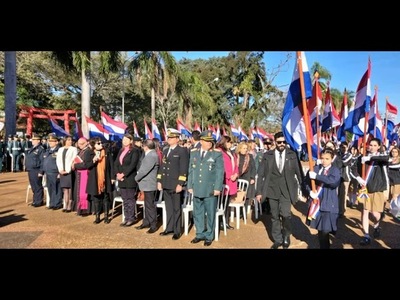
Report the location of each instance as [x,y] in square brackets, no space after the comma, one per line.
[306,116]
[316,75]
[384,135]
[376,108]
[364,143]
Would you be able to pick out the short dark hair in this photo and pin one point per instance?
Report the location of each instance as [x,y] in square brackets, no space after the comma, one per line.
[278,135]
[149,143]
[196,135]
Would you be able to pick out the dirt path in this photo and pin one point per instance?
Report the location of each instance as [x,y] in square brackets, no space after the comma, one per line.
[25,227]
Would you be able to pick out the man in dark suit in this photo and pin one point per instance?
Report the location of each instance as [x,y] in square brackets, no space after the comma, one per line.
[34,166]
[171,179]
[195,139]
[205,182]
[279,174]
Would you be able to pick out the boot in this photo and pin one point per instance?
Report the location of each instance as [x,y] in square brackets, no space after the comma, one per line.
[97,211]
[106,209]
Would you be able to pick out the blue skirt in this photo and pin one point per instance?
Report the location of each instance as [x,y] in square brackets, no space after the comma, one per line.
[325,221]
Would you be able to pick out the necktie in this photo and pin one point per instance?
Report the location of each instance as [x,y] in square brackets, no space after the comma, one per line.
[169,151]
[202,154]
[280,166]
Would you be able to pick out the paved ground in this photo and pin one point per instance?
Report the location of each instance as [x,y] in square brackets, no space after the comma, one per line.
[25,227]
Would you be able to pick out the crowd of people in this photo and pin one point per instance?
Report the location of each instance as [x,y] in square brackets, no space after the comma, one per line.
[84,176]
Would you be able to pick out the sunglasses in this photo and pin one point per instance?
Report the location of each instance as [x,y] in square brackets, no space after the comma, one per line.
[281,142]
[98,143]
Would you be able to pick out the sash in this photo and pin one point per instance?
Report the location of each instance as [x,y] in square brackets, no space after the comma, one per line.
[363,192]
[313,210]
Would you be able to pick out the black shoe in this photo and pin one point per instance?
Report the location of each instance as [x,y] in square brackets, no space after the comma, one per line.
[166,232]
[286,242]
[365,241]
[229,227]
[107,221]
[142,227]
[176,236]
[276,245]
[151,230]
[37,204]
[123,224]
[196,240]
[57,207]
[130,223]
[207,243]
[377,232]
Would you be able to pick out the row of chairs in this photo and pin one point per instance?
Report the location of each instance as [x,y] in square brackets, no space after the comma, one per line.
[45,190]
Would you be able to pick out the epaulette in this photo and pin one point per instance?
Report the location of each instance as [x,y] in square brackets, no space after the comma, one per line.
[194,149]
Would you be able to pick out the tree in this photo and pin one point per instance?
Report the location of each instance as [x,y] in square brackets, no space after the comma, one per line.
[160,69]
[79,61]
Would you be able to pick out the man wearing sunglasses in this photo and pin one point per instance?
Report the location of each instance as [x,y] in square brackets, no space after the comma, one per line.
[277,182]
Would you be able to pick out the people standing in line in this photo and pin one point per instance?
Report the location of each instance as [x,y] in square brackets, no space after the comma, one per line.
[376,184]
[16,152]
[279,176]
[96,185]
[327,179]
[205,182]
[34,166]
[231,174]
[52,174]
[146,177]
[125,169]
[247,169]
[26,146]
[65,157]
[82,165]
[171,178]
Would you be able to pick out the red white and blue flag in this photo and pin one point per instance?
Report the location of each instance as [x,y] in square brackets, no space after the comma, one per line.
[135,130]
[116,128]
[361,105]
[147,132]
[97,130]
[182,128]
[155,131]
[57,129]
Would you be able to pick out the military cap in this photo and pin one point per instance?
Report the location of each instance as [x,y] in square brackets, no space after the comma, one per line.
[207,136]
[52,137]
[171,133]
[137,139]
[36,137]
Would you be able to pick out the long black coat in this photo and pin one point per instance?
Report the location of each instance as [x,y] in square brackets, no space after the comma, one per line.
[292,169]
[129,167]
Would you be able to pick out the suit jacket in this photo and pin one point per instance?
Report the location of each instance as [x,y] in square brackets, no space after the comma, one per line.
[207,174]
[72,152]
[174,168]
[292,173]
[128,167]
[146,176]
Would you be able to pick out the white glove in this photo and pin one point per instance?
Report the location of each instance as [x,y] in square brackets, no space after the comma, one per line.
[312,174]
[365,158]
[313,195]
[319,161]
[361,181]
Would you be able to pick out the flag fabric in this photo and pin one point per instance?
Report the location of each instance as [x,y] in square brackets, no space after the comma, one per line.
[135,130]
[293,121]
[155,131]
[330,118]
[182,128]
[344,112]
[78,129]
[391,112]
[197,127]
[57,129]
[147,132]
[217,133]
[375,123]
[314,108]
[242,135]
[97,130]
[235,131]
[361,105]
[113,126]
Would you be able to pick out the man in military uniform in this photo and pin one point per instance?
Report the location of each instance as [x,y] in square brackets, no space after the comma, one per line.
[26,146]
[34,166]
[205,182]
[171,179]
[16,151]
[52,174]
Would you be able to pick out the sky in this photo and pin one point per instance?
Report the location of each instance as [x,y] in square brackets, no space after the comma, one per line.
[346,68]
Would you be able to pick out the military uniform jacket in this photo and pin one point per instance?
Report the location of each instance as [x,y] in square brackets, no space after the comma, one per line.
[34,158]
[205,175]
[174,168]
[50,160]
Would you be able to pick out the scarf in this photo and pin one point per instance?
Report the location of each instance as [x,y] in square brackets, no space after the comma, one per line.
[245,166]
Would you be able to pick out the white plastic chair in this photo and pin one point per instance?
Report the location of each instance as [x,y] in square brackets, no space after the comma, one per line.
[187,208]
[161,204]
[257,205]
[117,199]
[45,191]
[236,206]
[222,204]
[139,204]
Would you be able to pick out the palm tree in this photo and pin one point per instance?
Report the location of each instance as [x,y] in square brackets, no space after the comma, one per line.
[10,91]
[160,69]
[79,61]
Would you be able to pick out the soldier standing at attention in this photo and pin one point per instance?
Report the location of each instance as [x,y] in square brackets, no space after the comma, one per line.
[205,182]
[34,166]
[171,178]
[52,175]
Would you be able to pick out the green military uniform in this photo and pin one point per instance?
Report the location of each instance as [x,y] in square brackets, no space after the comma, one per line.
[205,176]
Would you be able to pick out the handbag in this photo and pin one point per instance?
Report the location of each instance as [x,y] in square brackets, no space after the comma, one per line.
[240,197]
